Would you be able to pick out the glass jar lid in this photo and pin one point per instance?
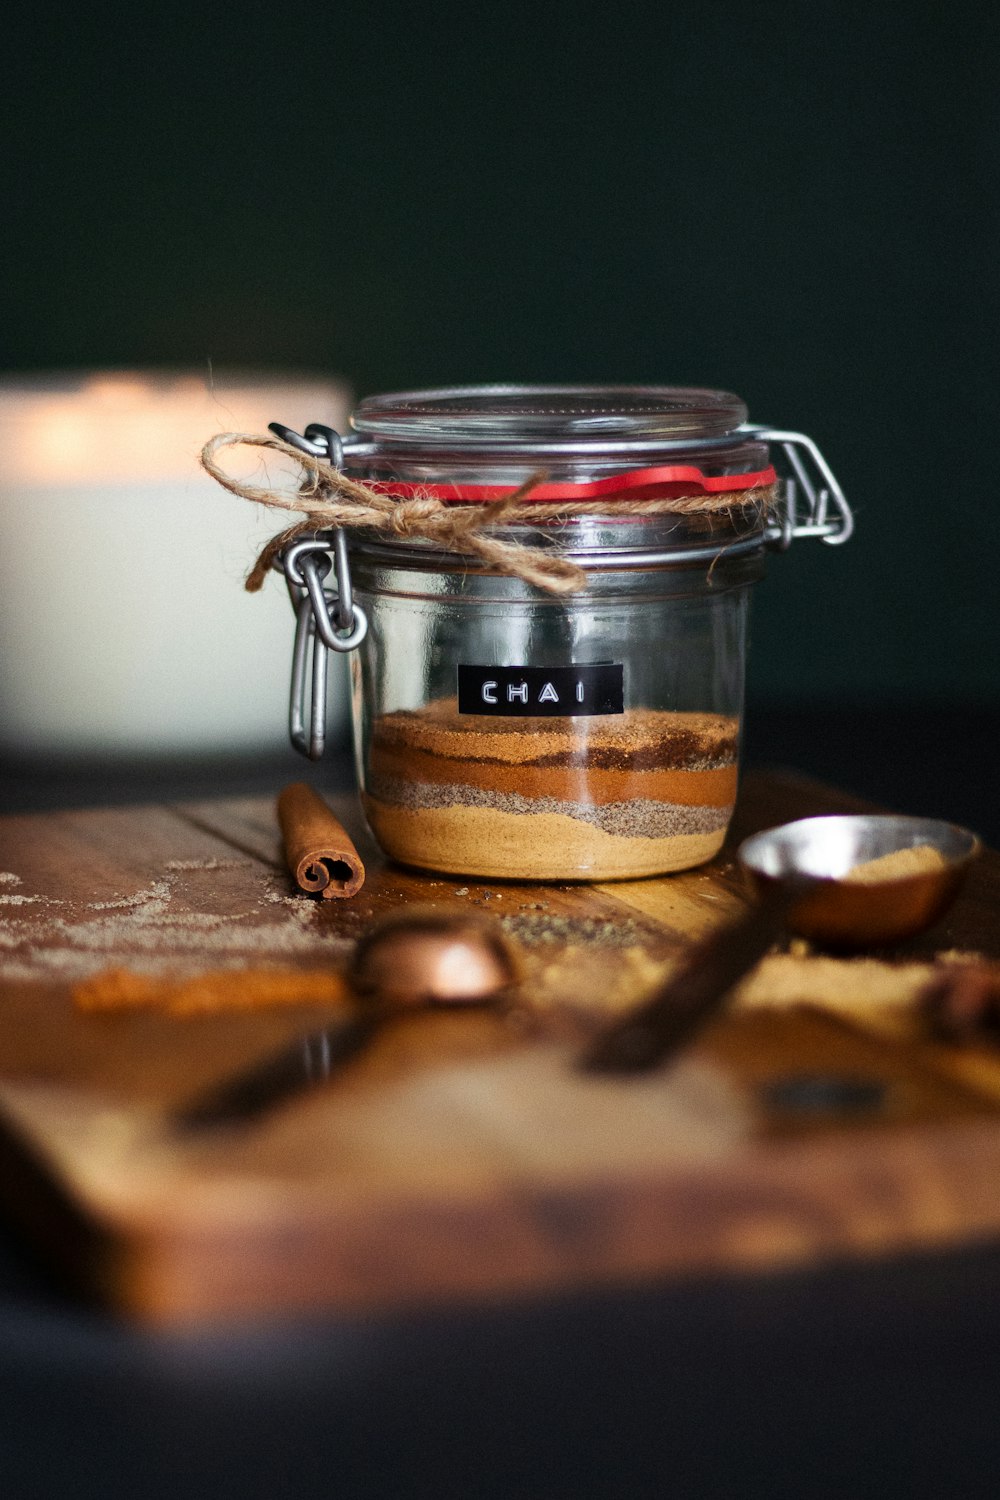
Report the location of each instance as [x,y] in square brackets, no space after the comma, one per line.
[570,418]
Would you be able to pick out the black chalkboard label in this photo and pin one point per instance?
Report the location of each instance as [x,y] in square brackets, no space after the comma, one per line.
[542,692]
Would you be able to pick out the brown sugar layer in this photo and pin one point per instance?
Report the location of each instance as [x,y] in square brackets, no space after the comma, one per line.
[493,842]
[714,787]
[639,739]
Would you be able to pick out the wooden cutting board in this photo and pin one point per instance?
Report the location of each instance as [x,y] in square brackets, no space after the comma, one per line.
[465,1156]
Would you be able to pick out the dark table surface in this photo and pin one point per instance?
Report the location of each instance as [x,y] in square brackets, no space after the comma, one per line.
[846,1381]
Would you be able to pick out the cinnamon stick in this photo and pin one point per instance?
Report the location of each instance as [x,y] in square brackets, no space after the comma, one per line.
[318,849]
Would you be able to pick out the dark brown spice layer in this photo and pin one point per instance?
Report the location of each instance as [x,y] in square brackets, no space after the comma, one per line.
[639,740]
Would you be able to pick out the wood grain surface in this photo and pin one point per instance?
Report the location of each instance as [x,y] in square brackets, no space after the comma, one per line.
[465,1156]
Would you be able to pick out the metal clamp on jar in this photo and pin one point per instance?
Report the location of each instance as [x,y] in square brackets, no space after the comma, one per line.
[501,730]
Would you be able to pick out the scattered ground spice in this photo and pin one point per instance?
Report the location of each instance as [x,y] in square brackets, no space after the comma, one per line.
[209,865]
[153,930]
[211,993]
[533,929]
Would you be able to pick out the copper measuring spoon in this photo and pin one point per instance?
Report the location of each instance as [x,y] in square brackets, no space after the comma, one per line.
[411,960]
[799,871]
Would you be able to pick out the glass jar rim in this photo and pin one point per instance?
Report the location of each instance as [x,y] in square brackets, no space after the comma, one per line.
[511,418]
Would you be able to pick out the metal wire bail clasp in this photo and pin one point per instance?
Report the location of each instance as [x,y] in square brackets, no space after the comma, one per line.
[828,515]
[324,620]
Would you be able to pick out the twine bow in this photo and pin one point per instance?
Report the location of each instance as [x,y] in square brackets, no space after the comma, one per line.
[326,498]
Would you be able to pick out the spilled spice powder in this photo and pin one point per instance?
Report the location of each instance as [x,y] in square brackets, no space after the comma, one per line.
[211,993]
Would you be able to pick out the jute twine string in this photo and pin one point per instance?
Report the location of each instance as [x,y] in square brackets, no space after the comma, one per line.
[327,498]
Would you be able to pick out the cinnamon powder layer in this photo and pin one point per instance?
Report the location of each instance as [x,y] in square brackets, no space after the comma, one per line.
[714,787]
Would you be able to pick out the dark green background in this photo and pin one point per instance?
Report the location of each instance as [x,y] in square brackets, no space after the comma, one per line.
[794,201]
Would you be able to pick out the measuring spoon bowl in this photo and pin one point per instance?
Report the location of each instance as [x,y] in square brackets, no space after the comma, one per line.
[841,906]
[807,882]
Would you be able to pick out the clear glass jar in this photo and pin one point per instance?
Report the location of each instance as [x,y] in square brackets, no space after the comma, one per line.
[505,732]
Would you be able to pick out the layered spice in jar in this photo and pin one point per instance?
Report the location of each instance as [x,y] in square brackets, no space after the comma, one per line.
[540,799]
[544,593]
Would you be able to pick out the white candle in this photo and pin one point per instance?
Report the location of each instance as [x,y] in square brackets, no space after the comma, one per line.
[124,626]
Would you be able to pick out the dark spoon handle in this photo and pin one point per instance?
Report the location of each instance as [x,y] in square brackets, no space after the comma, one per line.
[309,1060]
[648,1033]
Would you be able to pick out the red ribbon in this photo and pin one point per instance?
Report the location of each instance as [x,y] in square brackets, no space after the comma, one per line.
[664,482]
